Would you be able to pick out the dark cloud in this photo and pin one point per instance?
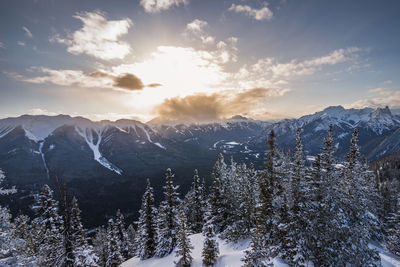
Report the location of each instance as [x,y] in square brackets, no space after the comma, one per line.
[201,108]
[154,85]
[128,81]
[206,108]
[100,74]
[125,81]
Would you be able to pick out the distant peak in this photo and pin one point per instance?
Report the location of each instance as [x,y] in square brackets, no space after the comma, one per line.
[238,117]
[334,109]
[383,112]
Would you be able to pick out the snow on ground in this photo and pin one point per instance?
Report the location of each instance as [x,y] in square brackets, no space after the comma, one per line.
[149,139]
[388,259]
[231,255]
[87,134]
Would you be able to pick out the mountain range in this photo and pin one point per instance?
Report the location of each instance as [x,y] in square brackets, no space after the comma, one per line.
[105,164]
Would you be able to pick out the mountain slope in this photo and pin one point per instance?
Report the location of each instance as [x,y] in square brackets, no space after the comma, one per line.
[231,255]
[101,160]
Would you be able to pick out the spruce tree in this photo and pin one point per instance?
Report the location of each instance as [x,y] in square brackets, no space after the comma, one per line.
[131,232]
[13,248]
[217,198]
[393,237]
[50,225]
[168,218]
[293,245]
[83,252]
[114,258]
[123,238]
[210,251]
[184,246]
[146,236]
[194,205]
[100,243]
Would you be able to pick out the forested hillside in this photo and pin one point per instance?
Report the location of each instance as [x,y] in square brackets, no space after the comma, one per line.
[324,211]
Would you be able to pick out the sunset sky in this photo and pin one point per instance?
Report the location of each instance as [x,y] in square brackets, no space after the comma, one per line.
[197,59]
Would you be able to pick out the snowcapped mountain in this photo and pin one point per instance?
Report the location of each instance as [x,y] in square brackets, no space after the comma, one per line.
[375,127]
[101,160]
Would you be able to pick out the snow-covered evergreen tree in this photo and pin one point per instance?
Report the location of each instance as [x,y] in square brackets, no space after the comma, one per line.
[184,247]
[194,205]
[14,237]
[219,207]
[123,238]
[393,236]
[83,253]
[146,235]
[293,247]
[131,232]
[210,251]
[13,248]
[50,226]
[114,256]
[100,244]
[168,218]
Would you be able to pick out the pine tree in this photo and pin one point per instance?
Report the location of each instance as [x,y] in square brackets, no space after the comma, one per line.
[184,246]
[132,240]
[13,248]
[219,207]
[393,237]
[83,253]
[123,238]
[114,258]
[100,243]
[168,218]
[50,226]
[210,251]
[194,205]
[293,244]
[146,235]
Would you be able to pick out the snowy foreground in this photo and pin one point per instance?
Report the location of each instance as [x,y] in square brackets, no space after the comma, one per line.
[231,255]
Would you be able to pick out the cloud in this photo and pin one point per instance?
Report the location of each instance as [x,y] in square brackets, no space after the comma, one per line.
[196,29]
[21,43]
[208,108]
[270,67]
[156,6]
[2,45]
[100,79]
[27,32]
[39,111]
[388,82]
[98,37]
[263,13]
[379,97]
[129,81]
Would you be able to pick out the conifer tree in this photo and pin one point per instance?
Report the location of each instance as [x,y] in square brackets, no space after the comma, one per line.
[210,251]
[293,244]
[184,246]
[217,201]
[13,248]
[123,238]
[100,244]
[131,232]
[50,240]
[114,258]
[168,218]
[393,239]
[146,236]
[84,254]
[194,205]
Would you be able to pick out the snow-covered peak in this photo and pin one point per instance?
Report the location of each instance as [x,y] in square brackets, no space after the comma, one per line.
[38,127]
[382,113]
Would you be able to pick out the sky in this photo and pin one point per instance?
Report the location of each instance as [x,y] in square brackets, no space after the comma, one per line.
[197,60]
